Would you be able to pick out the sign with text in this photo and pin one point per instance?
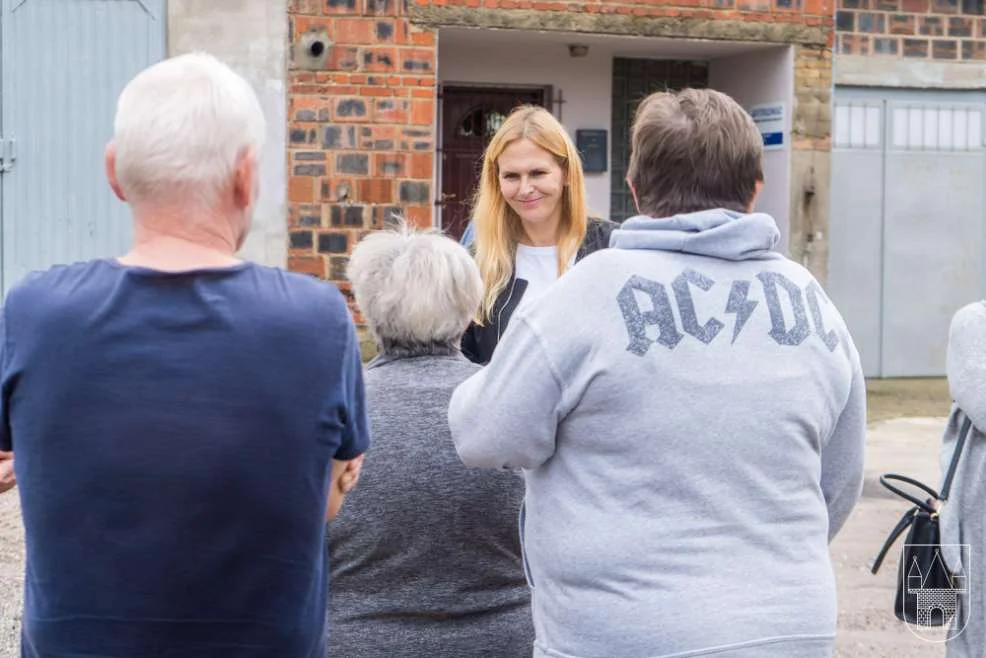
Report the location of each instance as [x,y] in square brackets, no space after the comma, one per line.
[769,118]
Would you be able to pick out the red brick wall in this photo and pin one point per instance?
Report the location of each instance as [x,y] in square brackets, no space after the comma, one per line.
[362,136]
[947,30]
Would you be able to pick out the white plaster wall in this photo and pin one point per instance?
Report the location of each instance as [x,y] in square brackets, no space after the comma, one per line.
[251,36]
[764,76]
[586,84]
[750,76]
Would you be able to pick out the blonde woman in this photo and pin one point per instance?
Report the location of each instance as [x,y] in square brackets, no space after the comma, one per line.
[530,221]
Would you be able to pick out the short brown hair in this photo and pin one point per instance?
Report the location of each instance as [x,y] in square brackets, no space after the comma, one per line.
[693,150]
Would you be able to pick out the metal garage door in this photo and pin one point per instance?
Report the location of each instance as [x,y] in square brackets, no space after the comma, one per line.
[908,204]
[62,65]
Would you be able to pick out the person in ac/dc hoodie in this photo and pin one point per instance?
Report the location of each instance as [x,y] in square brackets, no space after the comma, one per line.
[962,516]
[529,224]
[689,411]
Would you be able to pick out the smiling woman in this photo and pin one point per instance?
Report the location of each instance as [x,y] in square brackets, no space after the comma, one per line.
[530,221]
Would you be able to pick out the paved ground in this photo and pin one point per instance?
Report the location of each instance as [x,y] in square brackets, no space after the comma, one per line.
[906,416]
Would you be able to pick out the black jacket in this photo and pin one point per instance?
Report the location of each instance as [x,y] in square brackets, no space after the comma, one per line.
[479,342]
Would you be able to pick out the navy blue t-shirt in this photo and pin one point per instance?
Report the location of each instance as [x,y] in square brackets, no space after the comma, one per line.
[173,436]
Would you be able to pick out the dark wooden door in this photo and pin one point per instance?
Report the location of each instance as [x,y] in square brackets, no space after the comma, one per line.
[470,117]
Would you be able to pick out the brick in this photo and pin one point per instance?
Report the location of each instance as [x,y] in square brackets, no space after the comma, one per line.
[871,23]
[301,240]
[974,50]
[355,31]
[301,189]
[384,31]
[304,6]
[304,24]
[414,192]
[344,58]
[339,137]
[423,112]
[388,164]
[915,47]
[427,38]
[420,216]
[337,267]
[961,27]
[901,24]
[311,108]
[854,44]
[378,138]
[309,156]
[915,6]
[886,46]
[417,60]
[309,170]
[944,49]
[421,165]
[301,135]
[945,6]
[375,190]
[333,243]
[304,215]
[311,265]
[381,215]
[339,7]
[350,109]
[381,7]
[353,163]
[347,216]
[391,110]
[931,26]
[382,60]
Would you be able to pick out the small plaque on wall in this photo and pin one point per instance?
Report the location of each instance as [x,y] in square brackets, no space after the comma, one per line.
[591,145]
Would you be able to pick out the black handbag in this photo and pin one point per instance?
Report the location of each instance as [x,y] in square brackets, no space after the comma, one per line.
[921,565]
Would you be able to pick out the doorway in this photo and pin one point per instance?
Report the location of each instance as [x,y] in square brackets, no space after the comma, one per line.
[470,117]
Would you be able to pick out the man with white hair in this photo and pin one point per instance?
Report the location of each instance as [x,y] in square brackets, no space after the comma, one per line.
[178,416]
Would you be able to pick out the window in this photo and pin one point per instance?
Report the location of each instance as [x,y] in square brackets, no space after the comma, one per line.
[936,128]
[857,126]
[481,122]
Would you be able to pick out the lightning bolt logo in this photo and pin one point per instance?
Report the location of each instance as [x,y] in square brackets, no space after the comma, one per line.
[740,305]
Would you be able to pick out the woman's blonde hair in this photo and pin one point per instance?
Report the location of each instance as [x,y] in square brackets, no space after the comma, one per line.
[498,228]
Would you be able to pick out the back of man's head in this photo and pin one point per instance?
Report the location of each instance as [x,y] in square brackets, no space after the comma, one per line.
[694,150]
[182,128]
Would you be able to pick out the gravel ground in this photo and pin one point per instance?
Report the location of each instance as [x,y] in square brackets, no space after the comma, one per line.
[867,628]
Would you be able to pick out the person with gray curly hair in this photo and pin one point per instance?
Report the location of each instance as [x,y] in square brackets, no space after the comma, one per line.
[425,555]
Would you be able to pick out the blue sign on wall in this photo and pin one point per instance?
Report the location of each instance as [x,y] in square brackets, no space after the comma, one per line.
[769,118]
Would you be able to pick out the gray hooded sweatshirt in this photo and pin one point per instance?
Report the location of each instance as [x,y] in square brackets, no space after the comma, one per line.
[689,412]
[962,517]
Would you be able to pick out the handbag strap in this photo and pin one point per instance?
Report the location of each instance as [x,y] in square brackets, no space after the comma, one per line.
[905,521]
[963,435]
[909,516]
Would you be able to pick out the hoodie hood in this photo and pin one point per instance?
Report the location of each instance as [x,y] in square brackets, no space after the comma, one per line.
[716,233]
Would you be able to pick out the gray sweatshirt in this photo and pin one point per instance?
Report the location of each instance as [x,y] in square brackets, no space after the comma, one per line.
[425,555]
[962,517]
[689,410]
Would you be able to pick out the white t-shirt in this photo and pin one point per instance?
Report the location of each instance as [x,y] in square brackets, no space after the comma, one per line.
[539,267]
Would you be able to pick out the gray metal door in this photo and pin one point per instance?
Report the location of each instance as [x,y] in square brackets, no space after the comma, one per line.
[63,64]
[908,204]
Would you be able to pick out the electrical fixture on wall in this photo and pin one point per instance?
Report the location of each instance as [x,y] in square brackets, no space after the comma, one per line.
[312,50]
[578,50]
